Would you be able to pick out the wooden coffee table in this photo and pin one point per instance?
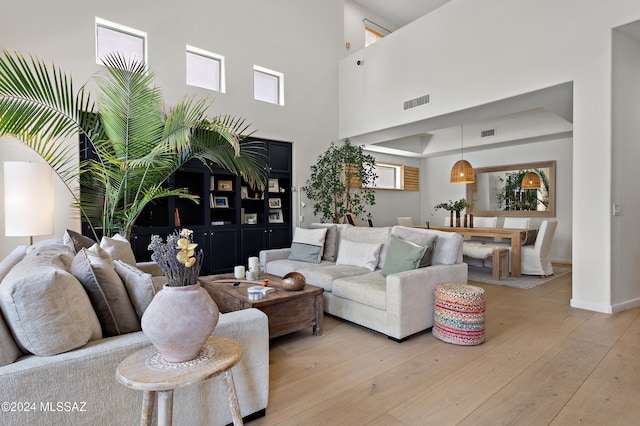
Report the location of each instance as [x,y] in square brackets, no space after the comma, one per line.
[288,311]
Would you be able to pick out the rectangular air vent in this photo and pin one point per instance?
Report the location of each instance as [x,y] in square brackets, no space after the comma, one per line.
[422,100]
[487,133]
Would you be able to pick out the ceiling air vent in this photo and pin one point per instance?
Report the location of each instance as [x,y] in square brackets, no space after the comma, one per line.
[422,100]
[487,133]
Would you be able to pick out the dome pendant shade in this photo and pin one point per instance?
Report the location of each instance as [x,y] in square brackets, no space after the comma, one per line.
[531,180]
[462,172]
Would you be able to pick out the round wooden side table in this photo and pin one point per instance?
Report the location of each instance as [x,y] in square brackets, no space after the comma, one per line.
[148,371]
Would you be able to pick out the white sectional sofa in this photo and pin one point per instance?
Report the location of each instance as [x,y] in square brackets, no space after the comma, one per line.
[58,367]
[399,304]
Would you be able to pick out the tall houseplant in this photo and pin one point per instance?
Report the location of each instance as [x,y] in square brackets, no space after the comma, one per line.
[136,145]
[341,182]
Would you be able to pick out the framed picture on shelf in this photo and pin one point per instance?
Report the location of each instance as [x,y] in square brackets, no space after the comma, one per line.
[225,185]
[251,218]
[220,202]
[244,192]
[274,185]
[275,203]
[275,216]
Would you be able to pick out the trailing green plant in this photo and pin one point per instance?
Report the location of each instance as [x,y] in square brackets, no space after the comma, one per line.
[341,182]
[135,145]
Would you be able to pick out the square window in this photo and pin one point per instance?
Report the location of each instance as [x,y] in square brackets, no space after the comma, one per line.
[112,37]
[268,85]
[205,69]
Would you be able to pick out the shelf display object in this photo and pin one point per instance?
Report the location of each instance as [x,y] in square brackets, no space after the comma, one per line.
[233,221]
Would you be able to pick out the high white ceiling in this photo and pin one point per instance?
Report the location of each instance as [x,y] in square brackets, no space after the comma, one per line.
[401,12]
[542,115]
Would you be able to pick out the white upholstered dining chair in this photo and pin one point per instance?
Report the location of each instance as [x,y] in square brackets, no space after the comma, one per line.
[405,221]
[535,259]
[516,222]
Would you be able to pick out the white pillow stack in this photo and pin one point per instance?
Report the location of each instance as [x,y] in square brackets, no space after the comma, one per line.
[308,245]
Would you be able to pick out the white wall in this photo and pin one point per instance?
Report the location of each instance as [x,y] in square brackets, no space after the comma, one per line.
[354,13]
[301,38]
[437,188]
[625,249]
[470,53]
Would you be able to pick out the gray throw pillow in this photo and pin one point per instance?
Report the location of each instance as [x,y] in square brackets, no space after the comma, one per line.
[76,240]
[138,284]
[94,268]
[330,252]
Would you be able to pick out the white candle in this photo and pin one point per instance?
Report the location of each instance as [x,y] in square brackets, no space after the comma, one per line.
[253,262]
[238,272]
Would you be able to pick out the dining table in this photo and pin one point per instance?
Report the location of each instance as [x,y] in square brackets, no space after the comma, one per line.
[515,235]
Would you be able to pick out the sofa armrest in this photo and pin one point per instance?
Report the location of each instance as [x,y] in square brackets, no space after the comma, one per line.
[150,267]
[410,296]
[267,256]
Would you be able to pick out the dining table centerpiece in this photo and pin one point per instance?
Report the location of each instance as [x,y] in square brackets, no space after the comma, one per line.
[454,207]
[182,315]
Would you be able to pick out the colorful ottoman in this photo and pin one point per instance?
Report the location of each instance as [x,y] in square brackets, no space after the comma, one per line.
[458,315]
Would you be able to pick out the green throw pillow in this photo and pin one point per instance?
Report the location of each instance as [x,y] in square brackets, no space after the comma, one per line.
[402,256]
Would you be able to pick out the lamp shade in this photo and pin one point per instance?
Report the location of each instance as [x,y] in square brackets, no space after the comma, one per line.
[531,180]
[462,172]
[28,199]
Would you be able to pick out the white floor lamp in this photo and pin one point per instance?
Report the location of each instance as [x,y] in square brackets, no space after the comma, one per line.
[28,199]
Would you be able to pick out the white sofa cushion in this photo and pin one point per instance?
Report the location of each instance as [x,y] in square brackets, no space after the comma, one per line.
[12,259]
[369,289]
[364,255]
[45,306]
[448,250]
[324,275]
[362,234]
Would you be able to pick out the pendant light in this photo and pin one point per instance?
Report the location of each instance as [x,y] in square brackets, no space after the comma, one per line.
[531,180]
[462,172]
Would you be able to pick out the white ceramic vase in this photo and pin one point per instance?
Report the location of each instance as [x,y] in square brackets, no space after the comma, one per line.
[179,320]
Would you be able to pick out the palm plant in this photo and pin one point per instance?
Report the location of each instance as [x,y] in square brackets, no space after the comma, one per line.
[136,146]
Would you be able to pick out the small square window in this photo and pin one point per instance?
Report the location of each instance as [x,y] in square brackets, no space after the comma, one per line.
[205,69]
[268,85]
[112,37]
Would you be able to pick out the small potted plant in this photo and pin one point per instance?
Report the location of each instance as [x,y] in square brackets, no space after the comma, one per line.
[454,206]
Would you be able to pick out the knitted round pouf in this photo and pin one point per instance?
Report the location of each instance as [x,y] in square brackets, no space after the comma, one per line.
[458,315]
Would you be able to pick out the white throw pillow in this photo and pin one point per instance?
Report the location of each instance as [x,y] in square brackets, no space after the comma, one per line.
[118,248]
[308,245]
[364,255]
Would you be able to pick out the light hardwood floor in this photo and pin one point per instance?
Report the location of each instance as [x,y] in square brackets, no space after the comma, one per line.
[543,363]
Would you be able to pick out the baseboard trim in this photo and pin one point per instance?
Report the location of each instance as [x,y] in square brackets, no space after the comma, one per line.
[605,309]
[623,306]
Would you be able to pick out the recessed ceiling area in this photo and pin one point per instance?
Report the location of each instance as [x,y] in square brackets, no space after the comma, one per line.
[545,114]
[401,12]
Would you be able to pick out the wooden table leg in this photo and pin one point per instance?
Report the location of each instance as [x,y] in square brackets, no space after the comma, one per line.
[516,253]
[319,305]
[232,397]
[148,400]
[165,408]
